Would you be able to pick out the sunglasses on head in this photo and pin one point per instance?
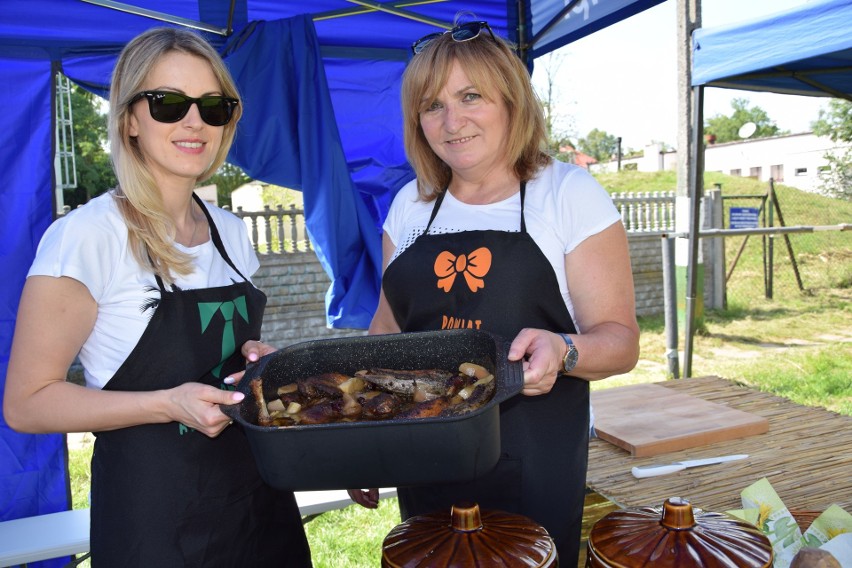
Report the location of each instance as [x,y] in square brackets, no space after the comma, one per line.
[462,32]
[166,106]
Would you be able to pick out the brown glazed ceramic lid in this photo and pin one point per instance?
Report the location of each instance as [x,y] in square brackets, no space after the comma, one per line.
[676,535]
[468,538]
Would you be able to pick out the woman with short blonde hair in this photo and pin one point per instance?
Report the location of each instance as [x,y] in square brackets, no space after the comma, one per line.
[496,71]
[493,235]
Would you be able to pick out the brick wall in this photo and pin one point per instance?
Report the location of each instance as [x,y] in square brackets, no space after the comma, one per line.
[646,258]
[295,285]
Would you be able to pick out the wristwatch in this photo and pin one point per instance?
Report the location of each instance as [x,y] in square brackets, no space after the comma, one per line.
[571,356]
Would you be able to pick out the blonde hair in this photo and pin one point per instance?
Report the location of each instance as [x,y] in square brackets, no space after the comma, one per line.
[151,231]
[495,71]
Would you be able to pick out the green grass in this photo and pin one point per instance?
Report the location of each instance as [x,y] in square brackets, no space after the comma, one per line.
[797,345]
[351,537]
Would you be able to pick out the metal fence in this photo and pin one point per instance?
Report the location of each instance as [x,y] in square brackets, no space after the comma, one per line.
[813,252]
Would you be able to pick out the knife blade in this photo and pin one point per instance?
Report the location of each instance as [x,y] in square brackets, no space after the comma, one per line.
[642,471]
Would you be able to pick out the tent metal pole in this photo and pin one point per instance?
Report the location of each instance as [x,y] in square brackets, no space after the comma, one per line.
[522,46]
[553,21]
[388,7]
[55,69]
[805,77]
[230,28]
[696,166]
[161,16]
[670,305]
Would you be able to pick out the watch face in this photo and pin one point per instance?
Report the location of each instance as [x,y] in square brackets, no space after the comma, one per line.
[570,360]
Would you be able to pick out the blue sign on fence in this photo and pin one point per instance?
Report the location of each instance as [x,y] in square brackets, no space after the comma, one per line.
[744,218]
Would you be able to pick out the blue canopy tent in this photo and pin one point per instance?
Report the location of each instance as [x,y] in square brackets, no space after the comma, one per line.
[320,86]
[803,51]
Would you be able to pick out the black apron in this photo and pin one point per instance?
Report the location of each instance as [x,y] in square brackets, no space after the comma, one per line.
[165,495]
[501,282]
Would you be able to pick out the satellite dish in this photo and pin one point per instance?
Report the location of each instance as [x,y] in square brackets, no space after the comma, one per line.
[747,130]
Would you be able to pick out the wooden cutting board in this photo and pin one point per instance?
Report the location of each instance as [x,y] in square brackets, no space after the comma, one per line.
[650,419]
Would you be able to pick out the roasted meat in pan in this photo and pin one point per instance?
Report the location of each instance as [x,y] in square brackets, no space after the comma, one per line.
[424,385]
[382,405]
[426,409]
[375,394]
[327,384]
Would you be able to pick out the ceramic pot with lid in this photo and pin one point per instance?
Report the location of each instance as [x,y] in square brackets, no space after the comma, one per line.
[676,535]
[466,537]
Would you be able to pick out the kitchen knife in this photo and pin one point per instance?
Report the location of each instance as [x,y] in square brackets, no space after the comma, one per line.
[663,469]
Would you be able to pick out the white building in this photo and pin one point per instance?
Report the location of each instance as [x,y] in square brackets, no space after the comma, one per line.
[249,197]
[795,159]
[208,193]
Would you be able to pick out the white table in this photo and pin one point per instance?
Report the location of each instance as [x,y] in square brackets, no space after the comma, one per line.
[44,536]
[67,533]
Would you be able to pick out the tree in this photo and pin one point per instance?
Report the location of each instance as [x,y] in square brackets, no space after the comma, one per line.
[599,145]
[726,128]
[836,123]
[94,170]
[556,125]
[227,179]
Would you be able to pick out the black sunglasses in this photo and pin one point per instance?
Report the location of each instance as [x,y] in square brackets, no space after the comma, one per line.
[166,106]
[462,32]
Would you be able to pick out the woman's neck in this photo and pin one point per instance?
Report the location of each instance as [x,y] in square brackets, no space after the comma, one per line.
[189,221]
[191,227]
[490,189]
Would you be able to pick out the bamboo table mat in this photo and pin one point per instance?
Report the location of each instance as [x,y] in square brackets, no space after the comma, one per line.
[806,455]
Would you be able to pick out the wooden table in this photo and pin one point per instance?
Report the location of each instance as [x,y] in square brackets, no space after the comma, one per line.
[806,455]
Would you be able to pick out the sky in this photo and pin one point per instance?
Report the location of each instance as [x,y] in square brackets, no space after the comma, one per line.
[623,79]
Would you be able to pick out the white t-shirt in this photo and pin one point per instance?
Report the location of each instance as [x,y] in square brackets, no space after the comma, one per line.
[90,245]
[564,206]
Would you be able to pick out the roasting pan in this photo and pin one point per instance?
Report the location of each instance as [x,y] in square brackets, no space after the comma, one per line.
[387,453]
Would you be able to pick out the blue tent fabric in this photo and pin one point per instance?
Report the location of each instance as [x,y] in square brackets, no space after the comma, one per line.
[551,31]
[803,51]
[288,136]
[343,76]
[364,115]
[33,478]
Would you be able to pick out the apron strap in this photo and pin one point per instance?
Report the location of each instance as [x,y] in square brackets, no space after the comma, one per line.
[217,242]
[438,201]
[214,234]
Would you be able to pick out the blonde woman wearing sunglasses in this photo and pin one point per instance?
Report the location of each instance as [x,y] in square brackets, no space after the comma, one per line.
[495,235]
[150,286]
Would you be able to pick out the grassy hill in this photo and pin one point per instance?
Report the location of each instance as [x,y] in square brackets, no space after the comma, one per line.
[796,343]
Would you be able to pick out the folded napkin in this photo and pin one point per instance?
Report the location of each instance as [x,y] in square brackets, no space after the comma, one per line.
[763,508]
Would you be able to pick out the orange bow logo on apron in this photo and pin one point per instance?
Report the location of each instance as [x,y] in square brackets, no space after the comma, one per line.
[473,266]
